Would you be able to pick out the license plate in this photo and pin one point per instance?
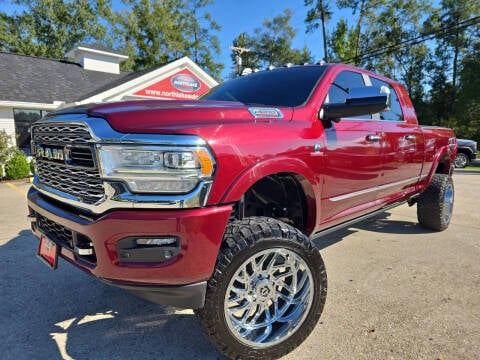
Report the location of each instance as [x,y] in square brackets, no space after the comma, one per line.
[48,252]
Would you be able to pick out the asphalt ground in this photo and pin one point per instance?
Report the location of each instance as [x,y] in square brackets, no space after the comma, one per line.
[396,291]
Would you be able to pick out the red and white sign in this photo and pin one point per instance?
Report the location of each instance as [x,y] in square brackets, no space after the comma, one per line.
[183,85]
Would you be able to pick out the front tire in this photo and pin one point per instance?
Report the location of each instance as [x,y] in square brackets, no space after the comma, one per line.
[461,160]
[267,292]
[435,204]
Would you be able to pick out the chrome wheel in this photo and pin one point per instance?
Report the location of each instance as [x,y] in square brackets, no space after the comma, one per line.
[448,203]
[461,160]
[268,297]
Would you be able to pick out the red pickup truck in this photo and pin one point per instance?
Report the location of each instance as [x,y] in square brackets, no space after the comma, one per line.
[213,204]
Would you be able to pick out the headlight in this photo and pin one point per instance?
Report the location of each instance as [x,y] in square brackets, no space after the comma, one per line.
[155,169]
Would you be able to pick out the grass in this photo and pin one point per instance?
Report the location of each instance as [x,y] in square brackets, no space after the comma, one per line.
[475,165]
[472,167]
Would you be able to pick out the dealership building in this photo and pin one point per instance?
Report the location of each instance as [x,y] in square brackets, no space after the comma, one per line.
[30,87]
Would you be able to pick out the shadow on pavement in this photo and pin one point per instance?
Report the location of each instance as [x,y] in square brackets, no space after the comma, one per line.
[68,314]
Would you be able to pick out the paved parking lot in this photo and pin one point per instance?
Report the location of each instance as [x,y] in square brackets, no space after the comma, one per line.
[396,291]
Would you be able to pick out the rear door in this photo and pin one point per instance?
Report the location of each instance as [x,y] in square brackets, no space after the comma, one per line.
[402,145]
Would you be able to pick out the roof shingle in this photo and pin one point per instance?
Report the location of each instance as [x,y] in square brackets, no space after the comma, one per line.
[34,79]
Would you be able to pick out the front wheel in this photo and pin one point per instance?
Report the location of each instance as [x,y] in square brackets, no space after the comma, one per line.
[461,160]
[435,204]
[267,291]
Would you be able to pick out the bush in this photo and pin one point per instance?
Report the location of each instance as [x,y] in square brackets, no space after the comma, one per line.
[5,147]
[17,167]
[32,167]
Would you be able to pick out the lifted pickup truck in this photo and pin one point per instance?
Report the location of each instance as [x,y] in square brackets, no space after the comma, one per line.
[213,204]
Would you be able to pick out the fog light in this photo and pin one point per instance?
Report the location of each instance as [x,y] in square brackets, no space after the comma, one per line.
[147,249]
[156,241]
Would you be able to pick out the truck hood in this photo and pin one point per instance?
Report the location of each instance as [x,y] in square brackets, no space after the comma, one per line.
[167,116]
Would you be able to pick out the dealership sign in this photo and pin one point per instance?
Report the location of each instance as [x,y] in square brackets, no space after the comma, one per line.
[182,85]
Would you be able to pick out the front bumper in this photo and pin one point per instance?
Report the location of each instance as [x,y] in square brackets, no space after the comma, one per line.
[200,232]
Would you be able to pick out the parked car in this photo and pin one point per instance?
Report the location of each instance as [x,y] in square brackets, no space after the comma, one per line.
[213,204]
[467,152]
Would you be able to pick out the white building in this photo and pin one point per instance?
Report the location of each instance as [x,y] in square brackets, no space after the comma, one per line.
[31,86]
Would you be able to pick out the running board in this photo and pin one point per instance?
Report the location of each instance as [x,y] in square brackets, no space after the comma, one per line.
[348,223]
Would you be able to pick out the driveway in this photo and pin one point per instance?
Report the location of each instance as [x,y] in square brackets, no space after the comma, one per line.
[396,291]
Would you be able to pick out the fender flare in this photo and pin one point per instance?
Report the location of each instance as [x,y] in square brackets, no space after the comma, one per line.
[277,165]
[265,168]
[441,154]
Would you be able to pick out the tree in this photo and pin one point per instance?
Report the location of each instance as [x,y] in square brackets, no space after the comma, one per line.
[155,32]
[203,44]
[468,103]
[272,44]
[249,59]
[452,35]
[342,43]
[357,35]
[393,45]
[50,28]
[317,16]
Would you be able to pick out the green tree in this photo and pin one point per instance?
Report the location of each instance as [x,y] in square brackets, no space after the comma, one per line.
[6,147]
[453,35]
[50,28]
[390,46]
[249,59]
[154,32]
[342,43]
[204,46]
[272,44]
[468,103]
[317,16]
[351,41]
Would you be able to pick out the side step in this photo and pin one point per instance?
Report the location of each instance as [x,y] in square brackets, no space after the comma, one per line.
[348,223]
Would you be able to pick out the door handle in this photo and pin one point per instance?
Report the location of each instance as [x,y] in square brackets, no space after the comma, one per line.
[410,137]
[374,138]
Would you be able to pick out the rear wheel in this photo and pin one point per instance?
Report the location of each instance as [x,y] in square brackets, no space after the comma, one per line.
[435,204]
[267,292]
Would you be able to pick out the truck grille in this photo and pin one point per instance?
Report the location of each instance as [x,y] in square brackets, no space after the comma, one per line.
[81,183]
[61,134]
[78,174]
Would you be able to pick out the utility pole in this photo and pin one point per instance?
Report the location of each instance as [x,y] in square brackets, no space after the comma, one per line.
[238,57]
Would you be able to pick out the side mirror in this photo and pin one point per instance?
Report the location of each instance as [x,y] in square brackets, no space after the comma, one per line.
[363,100]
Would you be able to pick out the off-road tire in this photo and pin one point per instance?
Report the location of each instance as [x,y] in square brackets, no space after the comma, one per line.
[461,160]
[245,240]
[435,204]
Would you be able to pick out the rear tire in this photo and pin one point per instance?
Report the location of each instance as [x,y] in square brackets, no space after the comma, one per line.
[435,204]
[267,292]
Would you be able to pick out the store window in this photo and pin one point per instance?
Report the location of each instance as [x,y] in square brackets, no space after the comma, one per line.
[24,118]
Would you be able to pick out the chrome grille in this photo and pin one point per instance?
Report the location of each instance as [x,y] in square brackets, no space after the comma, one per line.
[81,156]
[79,176]
[84,184]
[61,134]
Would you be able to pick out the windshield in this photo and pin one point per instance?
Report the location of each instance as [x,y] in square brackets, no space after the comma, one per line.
[279,87]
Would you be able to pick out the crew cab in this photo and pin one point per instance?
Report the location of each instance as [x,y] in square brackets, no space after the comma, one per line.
[213,204]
